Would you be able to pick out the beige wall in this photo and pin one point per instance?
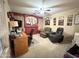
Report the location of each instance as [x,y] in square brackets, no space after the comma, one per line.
[68,30]
[6,20]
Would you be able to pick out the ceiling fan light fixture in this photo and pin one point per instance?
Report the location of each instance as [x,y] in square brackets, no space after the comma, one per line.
[48,10]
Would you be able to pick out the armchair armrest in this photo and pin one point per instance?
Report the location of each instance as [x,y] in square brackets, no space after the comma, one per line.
[52,33]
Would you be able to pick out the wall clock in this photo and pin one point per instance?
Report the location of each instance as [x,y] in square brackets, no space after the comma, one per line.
[31,20]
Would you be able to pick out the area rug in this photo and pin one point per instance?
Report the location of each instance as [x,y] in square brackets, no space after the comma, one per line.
[34,42]
[44,48]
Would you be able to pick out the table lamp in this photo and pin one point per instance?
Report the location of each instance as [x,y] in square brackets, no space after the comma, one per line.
[13,25]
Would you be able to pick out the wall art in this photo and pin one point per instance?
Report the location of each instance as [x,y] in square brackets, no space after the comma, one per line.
[69,20]
[76,21]
[61,21]
[54,21]
[47,22]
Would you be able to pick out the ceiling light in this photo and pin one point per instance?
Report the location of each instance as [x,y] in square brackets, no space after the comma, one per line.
[48,10]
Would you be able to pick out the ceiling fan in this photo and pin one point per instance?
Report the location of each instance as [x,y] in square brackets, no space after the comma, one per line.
[42,9]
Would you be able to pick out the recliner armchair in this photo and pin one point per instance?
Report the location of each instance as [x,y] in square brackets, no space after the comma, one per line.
[45,32]
[56,36]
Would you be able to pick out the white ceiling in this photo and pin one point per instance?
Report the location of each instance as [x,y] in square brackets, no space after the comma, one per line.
[40,7]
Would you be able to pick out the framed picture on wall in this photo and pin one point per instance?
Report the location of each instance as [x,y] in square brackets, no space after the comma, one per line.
[54,21]
[47,22]
[61,21]
[76,21]
[69,20]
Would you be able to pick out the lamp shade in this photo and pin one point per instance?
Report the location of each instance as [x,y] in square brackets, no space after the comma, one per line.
[13,23]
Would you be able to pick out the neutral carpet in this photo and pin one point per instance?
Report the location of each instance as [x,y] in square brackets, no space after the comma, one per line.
[44,48]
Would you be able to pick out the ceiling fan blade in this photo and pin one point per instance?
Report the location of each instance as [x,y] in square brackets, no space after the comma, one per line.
[55,6]
[67,4]
[22,4]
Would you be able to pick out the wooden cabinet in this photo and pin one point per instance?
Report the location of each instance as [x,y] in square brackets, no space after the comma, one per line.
[31,23]
[20,45]
[28,29]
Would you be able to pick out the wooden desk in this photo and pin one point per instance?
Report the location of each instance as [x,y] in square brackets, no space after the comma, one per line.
[19,45]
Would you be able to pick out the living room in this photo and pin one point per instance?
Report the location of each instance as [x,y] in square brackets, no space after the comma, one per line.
[39,29]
